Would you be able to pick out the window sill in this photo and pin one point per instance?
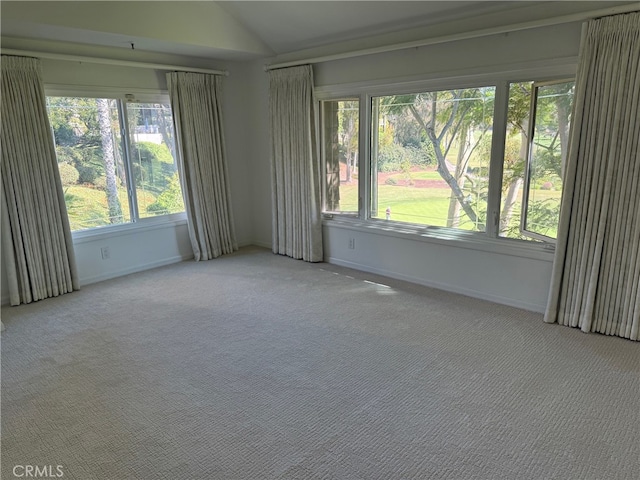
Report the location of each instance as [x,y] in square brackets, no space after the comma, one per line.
[142,225]
[445,236]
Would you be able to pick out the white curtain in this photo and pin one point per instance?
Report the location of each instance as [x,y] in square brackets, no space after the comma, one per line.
[295,166]
[596,273]
[202,162]
[36,237]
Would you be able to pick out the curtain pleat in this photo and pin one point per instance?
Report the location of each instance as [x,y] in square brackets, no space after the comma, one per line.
[596,273]
[296,172]
[36,236]
[202,164]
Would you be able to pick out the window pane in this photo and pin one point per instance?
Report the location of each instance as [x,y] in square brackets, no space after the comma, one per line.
[430,157]
[545,189]
[340,153]
[153,159]
[90,160]
[548,151]
[515,153]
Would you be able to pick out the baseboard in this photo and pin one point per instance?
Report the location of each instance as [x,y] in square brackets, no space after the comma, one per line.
[262,244]
[533,307]
[135,269]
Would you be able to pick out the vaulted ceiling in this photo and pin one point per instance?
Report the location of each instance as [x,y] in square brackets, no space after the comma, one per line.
[241,30]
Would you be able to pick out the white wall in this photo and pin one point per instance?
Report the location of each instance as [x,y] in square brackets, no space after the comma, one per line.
[136,249]
[259,154]
[489,53]
[478,271]
[131,250]
[512,276]
[240,127]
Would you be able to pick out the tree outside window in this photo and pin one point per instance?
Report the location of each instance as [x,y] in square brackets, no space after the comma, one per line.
[108,179]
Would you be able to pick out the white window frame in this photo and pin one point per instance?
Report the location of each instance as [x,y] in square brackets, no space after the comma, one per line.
[533,110]
[123,95]
[489,240]
[321,136]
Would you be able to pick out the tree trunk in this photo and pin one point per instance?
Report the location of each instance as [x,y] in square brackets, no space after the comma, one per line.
[104,121]
[332,193]
[120,170]
[509,204]
[563,130]
[444,171]
[166,129]
[514,187]
[350,131]
[453,216]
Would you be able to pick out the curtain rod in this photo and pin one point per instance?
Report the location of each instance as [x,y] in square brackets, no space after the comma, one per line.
[109,61]
[569,18]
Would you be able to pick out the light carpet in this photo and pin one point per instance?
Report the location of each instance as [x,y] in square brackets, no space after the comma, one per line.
[257,366]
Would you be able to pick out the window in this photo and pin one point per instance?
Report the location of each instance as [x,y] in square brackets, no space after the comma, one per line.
[153,159]
[436,158]
[340,146]
[546,156]
[535,151]
[116,160]
[430,157]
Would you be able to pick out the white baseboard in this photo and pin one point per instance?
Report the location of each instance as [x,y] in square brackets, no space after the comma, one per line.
[262,244]
[134,269]
[441,286]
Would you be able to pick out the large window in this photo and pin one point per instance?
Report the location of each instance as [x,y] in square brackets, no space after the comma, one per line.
[116,159]
[435,160]
[430,157]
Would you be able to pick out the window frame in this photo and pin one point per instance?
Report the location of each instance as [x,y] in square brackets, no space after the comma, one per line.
[489,240]
[123,96]
[371,173]
[322,143]
[533,110]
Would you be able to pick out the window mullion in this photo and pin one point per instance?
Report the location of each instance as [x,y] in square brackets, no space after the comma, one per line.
[364,178]
[126,146]
[501,109]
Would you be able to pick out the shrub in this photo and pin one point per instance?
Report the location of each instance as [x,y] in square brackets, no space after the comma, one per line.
[100,182]
[153,166]
[169,201]
[546,186]
[88,173]
[149,151]
[68,174]
[389,157]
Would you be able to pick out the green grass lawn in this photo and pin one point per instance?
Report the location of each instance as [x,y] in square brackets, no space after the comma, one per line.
[87,207]
[427,206]
[422,206]
[423,175]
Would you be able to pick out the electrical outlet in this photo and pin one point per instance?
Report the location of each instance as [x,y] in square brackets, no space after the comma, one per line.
[352,243]
[105,252]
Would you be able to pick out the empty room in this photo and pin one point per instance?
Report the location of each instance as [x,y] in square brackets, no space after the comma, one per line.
[320,240]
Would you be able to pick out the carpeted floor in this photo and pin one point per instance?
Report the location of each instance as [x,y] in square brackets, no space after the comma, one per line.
[256,366]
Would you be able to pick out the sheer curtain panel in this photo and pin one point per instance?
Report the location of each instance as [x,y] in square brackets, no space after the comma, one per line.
[197,113]
[295,165]
[36,239]
[596,273]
